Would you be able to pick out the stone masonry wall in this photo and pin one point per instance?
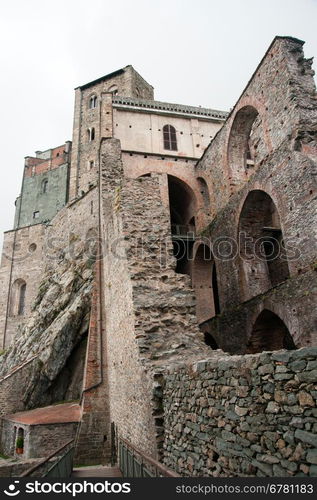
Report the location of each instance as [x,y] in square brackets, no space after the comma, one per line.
[252,415]
[283,92]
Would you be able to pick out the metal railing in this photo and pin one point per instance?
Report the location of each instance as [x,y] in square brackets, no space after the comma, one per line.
[58,464]
[134,463]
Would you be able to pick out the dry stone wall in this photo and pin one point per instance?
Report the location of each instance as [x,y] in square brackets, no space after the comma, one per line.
[252,415]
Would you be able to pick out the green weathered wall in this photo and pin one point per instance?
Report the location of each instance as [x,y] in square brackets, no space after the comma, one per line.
[33,199]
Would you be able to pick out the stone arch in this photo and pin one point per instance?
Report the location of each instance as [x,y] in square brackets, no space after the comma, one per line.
[17,300]
[263,262]
[205,282]
[19,440]
[92,101]
[183,208]
[183,204]
[269,333]
[241,153]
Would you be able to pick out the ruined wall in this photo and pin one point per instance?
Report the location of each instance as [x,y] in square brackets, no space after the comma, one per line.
[249,415]
[149,309]
[282,92]
[293,301]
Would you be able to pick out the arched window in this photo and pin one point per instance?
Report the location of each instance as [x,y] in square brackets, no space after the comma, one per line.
[269,333]
[44,186]
[263,256]
[113,89]
[169,137]
[182,204]
[91,134]
[18,294]
[93,102]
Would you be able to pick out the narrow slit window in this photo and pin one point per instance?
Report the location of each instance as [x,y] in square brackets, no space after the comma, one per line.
[91,134]
[169,137]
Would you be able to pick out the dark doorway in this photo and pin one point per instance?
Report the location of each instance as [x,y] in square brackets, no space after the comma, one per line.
[269,333]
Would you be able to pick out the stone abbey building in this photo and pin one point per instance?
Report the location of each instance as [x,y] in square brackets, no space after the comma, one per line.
[160,280]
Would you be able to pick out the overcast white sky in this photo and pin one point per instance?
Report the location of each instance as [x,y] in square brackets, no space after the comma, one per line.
[199,52]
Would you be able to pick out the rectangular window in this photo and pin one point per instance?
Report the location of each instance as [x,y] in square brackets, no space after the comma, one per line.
[36,215]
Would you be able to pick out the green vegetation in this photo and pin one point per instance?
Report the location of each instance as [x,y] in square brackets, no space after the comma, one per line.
[19,442]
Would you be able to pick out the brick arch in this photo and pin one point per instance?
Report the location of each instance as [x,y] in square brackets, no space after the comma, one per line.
[263,260]
[268,333]
[239,129]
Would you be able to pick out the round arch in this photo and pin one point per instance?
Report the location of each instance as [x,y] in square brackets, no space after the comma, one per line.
[269,333]
[263,260]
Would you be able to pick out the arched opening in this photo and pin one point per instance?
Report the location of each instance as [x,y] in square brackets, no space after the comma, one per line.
[91,134]
[269,333]
[204,278]
[242,145]
[204,191]
[19,442]
[182,211]
[263,256]
[18,294]
[169,138]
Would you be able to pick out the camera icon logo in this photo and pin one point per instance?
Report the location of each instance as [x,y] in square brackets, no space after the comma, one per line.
[13,491]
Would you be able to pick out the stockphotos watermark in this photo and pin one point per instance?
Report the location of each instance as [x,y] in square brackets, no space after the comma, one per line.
[224,248]
[74,488]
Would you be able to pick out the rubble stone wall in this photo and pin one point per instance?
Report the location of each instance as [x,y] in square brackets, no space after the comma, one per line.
[149,309]
[252,415]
